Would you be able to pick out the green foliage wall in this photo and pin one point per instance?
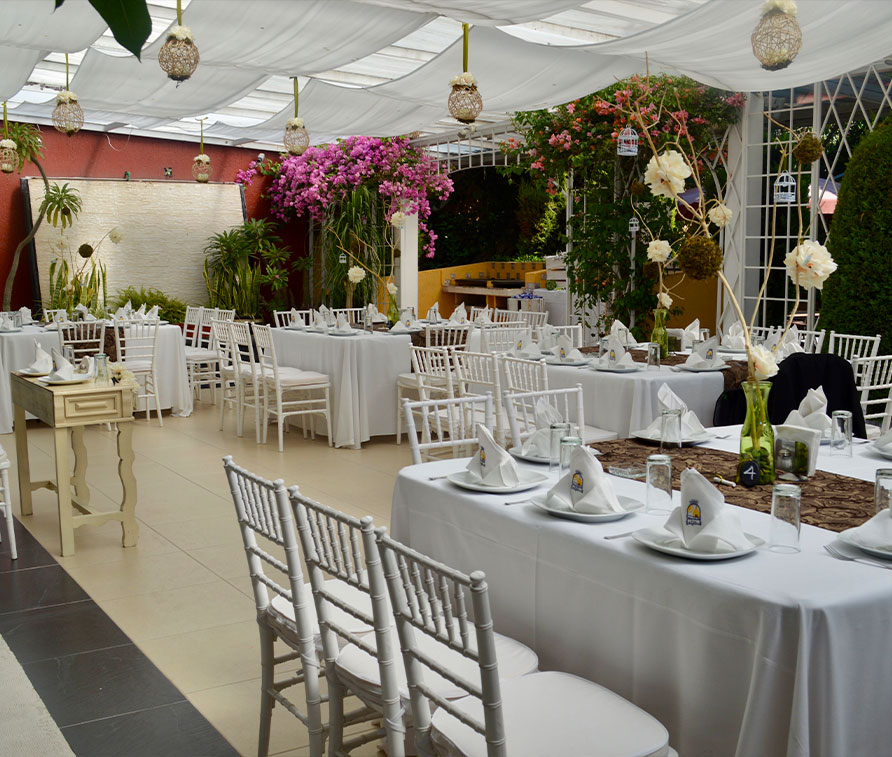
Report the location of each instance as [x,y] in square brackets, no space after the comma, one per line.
[857,299]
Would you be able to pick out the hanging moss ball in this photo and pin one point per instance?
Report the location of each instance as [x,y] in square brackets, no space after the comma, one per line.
[85,250]
[808,149]
[637,188]
[700,257]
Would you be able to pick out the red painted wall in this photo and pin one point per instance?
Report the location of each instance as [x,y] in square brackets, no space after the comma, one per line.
[92,155]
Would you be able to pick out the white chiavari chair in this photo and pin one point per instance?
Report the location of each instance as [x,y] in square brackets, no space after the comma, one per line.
[479,373]
[83,338]
[222,339]
[6,503]
[520,411]
[225,315]
[502,338]
[875,389]
[202,361]
[55,316]
[448,335]
[448,426]
[355,316]
[851,346]
[289,392]
[190,325]
[523,375]
[574,332]
[285,318]
[249,382]
[431,375]
[547,713]
[135,343]
[532,318]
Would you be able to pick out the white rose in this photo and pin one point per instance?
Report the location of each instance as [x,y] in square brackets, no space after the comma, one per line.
[665,300]
[784,6]
[398,220]
[201,158]
[391,288]
[720,215]
[811,262]
[355,274]
[763,362]
[294,123]
[116,235]
[658,251]
[66,96]
[466,79]
[181,32]
[665,174]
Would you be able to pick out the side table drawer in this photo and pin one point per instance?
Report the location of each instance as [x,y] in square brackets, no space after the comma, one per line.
[93,407]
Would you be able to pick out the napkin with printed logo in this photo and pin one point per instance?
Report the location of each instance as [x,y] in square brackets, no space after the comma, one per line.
[690,423]
[43,363]
[539,442]
[616,356]
[585,488]
[373,314]
[342,325]
[25,313]
[6,322]
[408,319]
[547,337]
[433,313]
[64,371]
[459,315]
[327,315]
[86,315]
[492,465]
[875,533]
[296,318]
[734,338]
[703,522]
[620,330]
[705,355]
[690,334]
[153,313]
[483,318]
[526,348]
[564,349]
[141,312]
[812,412]
[320,322]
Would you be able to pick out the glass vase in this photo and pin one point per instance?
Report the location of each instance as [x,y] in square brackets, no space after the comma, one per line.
[757,434]
[659,335]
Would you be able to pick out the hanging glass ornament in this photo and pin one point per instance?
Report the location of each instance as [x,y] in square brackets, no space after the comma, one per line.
[68,116]
[296,138]
[201,163]
[178,55]
[777,37]
[465,101]
[9,152]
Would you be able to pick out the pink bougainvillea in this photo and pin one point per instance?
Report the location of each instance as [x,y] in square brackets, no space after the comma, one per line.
[322,177]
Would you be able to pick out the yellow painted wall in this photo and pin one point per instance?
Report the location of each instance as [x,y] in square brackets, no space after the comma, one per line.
[696,298]
[431,290]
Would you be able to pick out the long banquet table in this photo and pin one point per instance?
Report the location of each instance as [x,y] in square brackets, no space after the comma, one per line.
[767,654]
[17,352]
[363,370]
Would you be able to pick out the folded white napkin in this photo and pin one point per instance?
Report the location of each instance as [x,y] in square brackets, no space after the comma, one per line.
[86,315]
[43,363]
[6,322]
[703,522]
[690,334]
[619,329]
[547,337]
[120,314]
[789,345]
[526,348]
[296,318]
[142,310]
[884,442]
[408,320]
[563,349]
[400,327]
[669,400]
[539,442]
[811,437]
[483,319]
[585,488]
[26,315]
[342,324]
[64,371]
[616,356]
[459,315]
[876,533]
[153,312]
[492,466]
[375,315]
[705,355]
[812,412]
[319,320]
[734,338]
[433,313]
[327,316]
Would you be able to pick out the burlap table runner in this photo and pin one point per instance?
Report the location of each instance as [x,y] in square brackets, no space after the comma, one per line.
[829,500]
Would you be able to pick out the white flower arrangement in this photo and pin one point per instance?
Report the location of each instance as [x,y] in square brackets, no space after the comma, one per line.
[465,79]
[294,123]
[658,251]
[764,362]
[665,174]
[784,6]
[116,235]
[120,375]
[202,158]
[355,274]
[391,288]
[720,215]
[809,264]
[398,220]
[66,96]
[8,144]
[181,33]
[664,300]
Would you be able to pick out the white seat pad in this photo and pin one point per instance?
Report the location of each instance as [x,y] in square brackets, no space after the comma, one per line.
[200,354]
[550,714]
[343,591]
[289,376]
[135,366]
[515,659]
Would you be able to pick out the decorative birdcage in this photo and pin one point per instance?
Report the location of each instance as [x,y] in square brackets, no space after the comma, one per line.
[634,225]
[627,142]
[68,116]
[296,139]
[202,170]
[776,39]
[465,101]
[9,155]
[785,189]
[178,56]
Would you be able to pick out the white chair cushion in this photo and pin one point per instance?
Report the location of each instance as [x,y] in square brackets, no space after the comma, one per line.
[201,355]
[556,714]
[284,610]
[289,376]
[361,669]
[137,366]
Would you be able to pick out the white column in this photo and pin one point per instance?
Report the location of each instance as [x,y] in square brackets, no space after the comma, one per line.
[408,283]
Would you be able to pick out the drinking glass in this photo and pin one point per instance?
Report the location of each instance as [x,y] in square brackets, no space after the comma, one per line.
[783,532]
[568,444]
[704,335]
[841,433]
[653,355]
[101,362]
[604,346]
[558,432]
[659,484]
[670,430]
[882,492]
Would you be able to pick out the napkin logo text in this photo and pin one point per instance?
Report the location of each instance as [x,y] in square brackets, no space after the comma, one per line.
[709,354]
[692,516]
[576,481]
[482,457]
[611,355]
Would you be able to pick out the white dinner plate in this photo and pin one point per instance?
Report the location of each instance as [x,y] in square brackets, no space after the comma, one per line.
[65,382]
[314,330]
[732,350]
[528,480]
[407,332]
[884,453]
[649,537]
[654,436]
[630,504]
[518,453]
[570,363]
[9,331]
[883,554]
[701,369]
[295,327]
[616,368]
[352,332]
[32,373]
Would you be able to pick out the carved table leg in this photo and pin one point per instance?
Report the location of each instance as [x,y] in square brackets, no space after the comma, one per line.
[24,469]
[129,525]
[79,477]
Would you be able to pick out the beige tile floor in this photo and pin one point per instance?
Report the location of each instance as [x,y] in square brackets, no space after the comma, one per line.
[183,593]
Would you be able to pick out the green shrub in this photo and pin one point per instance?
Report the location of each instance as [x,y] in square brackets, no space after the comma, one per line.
[169,309]
[857,298]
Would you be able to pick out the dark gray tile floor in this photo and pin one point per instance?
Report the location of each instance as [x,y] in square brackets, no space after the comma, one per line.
[105,695]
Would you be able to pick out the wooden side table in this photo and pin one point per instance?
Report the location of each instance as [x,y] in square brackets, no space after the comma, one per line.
[68,410]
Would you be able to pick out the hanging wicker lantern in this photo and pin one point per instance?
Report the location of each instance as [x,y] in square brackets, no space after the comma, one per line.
[68,116]
[627,142]
[9,154]
[201,163]
[785,189]
[465,102]
[178,55]
[296,138]
[777,37]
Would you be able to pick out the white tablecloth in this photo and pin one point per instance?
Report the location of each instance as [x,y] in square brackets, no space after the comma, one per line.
[17,352]
[764,655]
[363,370]
[627,402]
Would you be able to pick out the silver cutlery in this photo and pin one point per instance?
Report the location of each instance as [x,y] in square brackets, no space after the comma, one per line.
[840,555]
[620,536]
